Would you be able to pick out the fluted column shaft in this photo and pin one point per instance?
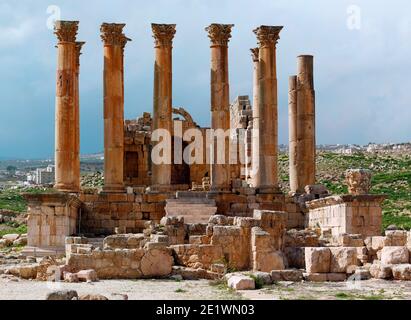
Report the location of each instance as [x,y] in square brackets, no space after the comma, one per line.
[268,108]
[65,115]
[114,42]
[163,92]
[219,35]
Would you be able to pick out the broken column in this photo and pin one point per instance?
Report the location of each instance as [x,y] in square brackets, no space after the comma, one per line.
[292,133]
[66,119]
[220,35]
[256,118]
[268,37]
[162,108]
[114,42]
[76,159]
[305,123]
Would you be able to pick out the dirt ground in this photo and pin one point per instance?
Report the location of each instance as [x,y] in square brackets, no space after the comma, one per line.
[13,289]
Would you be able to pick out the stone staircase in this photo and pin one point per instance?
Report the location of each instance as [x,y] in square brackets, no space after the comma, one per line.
[194,206]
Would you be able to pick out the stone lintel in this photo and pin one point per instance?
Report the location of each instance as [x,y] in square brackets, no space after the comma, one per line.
[268,35]
[341,199]
[219,34]
[66,31]
[163,34]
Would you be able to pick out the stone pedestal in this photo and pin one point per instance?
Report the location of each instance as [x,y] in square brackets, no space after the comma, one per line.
[162,108]
[66,118]
[114,42]
[219,35]
[51,218]
[267,101]
[353,214]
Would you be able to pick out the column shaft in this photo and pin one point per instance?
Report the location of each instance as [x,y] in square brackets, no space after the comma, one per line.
[268,107]
[65,117]
[114,42]
[220,106]
[163,92]
[306,145]
[292,133]
[255,163]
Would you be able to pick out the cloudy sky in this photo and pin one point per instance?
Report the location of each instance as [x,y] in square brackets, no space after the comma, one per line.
[362,52]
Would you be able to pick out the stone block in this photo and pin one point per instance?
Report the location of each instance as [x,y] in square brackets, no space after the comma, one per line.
[342,258]
[395,255]
[293,275]
[87,275]
[380,271]
[317,260]
[402,272]
[241,282]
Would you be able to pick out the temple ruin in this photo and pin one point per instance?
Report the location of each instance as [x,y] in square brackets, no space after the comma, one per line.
[155,217]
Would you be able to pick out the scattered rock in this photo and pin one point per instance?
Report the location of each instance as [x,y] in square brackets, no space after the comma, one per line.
[263,277]
[293,275]
[11,237]
[402,272]
[62,295]
[87,275]
[394,255]
[96,297]
[241,282]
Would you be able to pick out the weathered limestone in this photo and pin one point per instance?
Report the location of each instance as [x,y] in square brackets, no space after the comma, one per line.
[292,133]
[162,108]
[76,158]
[220,35]
[268,108]
[256,120]
[358,181]
[66,120]
[305,123]
[51,217]
[114,42]
[353,214]
[302,125]
[394,255]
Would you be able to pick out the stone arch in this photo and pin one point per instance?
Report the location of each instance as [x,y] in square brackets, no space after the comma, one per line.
[187,116]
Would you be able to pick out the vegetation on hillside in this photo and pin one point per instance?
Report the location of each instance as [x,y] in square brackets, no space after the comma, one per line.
[391,176]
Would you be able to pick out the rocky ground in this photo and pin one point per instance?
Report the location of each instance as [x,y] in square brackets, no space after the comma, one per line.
[15,289]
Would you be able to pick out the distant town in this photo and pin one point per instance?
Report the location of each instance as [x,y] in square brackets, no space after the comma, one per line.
[21,173]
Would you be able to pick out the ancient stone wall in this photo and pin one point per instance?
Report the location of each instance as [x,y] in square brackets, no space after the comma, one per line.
[51,218]
[361,214]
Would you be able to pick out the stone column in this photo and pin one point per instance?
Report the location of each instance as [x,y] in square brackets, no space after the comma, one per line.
[306,146]
[267,37]
[220,35]
[162,103]
[256,120]
[66,126]
[292,133]
[76,159]
[114,42]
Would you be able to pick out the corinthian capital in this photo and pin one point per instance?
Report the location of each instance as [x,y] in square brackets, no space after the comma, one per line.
[112,34]
[268,35]
[219,34]
[66,31]
[163,34]
[255,53]
[79,45]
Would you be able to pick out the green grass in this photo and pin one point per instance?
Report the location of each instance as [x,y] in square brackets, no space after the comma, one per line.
[12,199]
[180,290]
[19,230]
[391,177]
[353,296]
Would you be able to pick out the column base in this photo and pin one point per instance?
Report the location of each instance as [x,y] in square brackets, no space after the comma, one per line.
[69,188]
